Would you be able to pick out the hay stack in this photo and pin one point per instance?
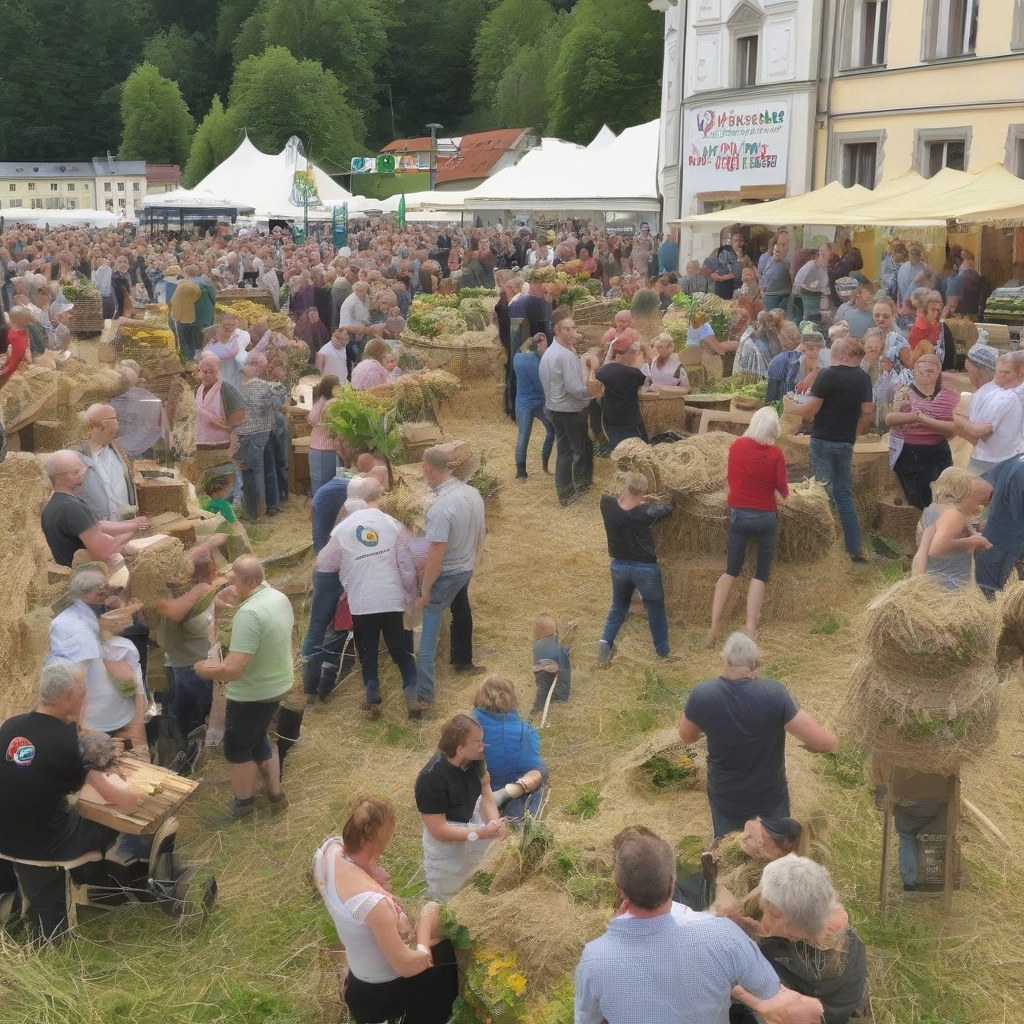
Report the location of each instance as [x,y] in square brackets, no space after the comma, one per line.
[691,466]
[161,570]
[807,524]
[1010,646]
[924,693]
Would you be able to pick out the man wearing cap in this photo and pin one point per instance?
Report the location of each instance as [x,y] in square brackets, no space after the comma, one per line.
[454,526]
[995,416]
[856,305]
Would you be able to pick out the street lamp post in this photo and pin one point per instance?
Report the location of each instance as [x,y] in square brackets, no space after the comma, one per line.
[434,129]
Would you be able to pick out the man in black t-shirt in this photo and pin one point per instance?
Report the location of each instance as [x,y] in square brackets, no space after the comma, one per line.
[627,523]
[841,405]
[68,523]
[745,719]
[460,816]
[40,764]
[622,379]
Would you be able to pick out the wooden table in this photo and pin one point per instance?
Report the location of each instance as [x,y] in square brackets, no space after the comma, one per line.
[155,809]
[298,467]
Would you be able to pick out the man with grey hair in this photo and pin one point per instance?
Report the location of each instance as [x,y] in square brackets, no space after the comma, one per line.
[745,719]
[109,487]
[627,522]
[994,419]
[354,316]
[67,521]
[42,766]
[656,962]
[377,571]
[140,414]
[455,528]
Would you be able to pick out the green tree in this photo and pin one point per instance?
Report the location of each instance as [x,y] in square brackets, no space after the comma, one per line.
[157,124]
[512,26]
[187,60]
[214,141]
[274,96]
[608,69]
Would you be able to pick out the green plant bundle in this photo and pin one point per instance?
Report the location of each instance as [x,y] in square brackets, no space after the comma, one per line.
[665,772]
[475,314]
[78,291]
[434,322]
[475,293]
[363,424]
[717,311]
[435,301]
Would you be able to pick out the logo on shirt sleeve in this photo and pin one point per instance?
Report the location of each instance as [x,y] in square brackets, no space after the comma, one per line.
[21,751]
[367,536]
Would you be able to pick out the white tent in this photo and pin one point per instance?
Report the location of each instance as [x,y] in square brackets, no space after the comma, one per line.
[619,174]
[605,137]
[62,218]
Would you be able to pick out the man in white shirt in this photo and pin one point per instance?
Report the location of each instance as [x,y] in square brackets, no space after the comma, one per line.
[354,314]
[995,419]
[379,577]
[333,357]
[109,488]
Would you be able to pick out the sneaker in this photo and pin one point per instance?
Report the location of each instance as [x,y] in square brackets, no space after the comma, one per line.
[604,652]
[235,810]
[276,511]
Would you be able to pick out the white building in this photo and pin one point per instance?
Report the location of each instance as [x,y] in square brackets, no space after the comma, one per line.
[103,183]
[739,95]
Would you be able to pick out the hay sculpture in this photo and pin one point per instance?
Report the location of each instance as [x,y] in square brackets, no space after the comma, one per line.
[691,466]
[32,393]
[1010,646]
[637,772]
[925,692]
[807,524]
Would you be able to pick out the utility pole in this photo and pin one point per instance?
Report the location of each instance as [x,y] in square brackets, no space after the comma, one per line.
[434,129]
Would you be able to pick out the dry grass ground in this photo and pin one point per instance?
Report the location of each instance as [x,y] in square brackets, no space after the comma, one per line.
[261,957]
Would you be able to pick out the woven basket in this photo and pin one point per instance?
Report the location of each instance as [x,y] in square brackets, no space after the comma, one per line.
[87,316]
[156,496]
[464,363]
[593,311]
[662,410]
[206,458]
[258,295]
[897,521]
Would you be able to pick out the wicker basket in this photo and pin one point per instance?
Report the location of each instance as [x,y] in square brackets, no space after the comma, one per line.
[156,496]
[593,311]
[258,295]
[464,363]
[417,438]
[206,458]
[895,519]
[663,410]
[87,316]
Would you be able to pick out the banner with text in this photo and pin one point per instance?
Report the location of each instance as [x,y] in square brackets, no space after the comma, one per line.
[731,146]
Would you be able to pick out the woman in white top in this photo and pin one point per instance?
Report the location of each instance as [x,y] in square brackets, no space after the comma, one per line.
[396,972]
[664,370]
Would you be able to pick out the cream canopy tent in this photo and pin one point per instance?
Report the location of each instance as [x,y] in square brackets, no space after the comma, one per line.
[910,199]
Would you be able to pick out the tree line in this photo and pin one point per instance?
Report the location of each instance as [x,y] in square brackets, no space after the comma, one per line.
[182,81]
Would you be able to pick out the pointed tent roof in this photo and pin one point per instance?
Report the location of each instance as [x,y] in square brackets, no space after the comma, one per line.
[603,138]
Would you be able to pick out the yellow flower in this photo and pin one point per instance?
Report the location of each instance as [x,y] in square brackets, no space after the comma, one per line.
[517,983]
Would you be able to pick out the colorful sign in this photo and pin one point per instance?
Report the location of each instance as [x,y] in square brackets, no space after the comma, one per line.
[729,147]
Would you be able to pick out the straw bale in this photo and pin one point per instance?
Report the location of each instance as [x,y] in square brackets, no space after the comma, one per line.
[628,777]
[1010,646]
[794,589]
[911,722]
[159,571]
[698,526]
[807,524]
[918,628]
[417,396]
[691,466]
[663,411]
[538,923]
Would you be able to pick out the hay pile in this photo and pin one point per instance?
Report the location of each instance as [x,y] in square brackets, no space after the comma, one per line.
[407,501]
[807,524]
[924,693]
[32,393]
[24,554]
[691,466]
[163,570]
[1010,646]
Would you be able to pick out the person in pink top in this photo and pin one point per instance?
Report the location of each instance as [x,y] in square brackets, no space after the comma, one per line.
[323,452]
[219,406]
[920,426]
[371,372]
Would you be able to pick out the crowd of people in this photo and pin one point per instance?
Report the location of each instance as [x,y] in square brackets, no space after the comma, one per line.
[834,347]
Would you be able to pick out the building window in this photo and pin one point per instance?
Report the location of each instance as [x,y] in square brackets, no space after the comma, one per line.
[951,28]
[37,204]
[935,148]
[135,186]
[746,61]
[120,186]
[1014,159]
[12,188]
[54,186]
[860,161]
[106,186]
[85,187]
[866,26]
[72,205]
[1017,33]
[31,186]
[71,186]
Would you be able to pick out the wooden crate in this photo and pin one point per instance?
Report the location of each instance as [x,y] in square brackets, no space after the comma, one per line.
[155,809]
[258,295]
[417,438]
[87,316]
[897,521]
[157,496]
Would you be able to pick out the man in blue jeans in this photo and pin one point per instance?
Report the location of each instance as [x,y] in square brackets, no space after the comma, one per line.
[530,403]
[841,406]
[255,455]
[627,522]
[455,528]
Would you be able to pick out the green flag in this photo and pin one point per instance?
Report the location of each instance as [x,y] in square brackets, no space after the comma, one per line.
[401,211]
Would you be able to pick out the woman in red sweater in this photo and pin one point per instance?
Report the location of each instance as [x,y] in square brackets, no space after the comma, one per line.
[757,470]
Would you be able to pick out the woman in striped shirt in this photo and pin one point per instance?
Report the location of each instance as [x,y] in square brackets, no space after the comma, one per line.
[323,454]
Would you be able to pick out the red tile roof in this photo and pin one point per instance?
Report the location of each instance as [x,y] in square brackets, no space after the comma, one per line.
[420,145]
[478,153]
[163,173]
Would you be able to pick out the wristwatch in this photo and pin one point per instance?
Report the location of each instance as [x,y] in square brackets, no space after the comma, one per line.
[473,836]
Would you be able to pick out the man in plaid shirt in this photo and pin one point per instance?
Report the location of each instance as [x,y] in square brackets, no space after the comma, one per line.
[255,453]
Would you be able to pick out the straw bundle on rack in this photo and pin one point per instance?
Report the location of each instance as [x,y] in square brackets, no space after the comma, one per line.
[918,628]
[418,396]
[160,570]
[807,525]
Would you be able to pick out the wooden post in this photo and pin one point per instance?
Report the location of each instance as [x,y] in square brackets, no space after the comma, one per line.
[883,887]
[952,823]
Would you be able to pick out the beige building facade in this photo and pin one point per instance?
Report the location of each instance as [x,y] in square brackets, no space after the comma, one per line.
[100,184]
